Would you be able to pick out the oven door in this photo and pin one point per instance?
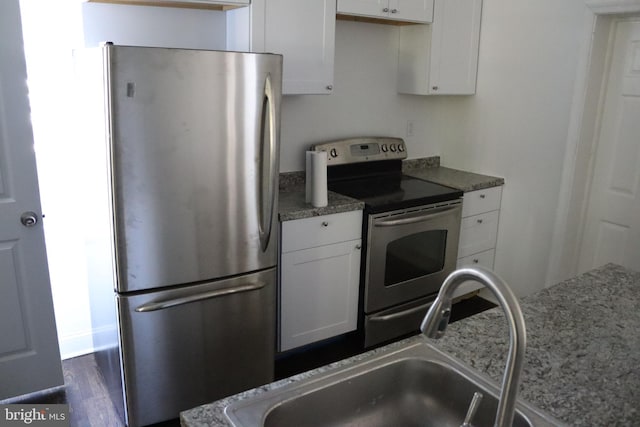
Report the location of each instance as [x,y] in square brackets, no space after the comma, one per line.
[409,253]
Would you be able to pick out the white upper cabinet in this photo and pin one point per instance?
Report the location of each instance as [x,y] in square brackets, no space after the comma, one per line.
[420,11]
[441,58]
[197,4]
[302,31]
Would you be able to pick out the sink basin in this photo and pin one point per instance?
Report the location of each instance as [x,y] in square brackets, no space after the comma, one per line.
[415,385]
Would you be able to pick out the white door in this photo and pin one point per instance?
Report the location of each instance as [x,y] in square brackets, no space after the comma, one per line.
[612,227]
[29,354]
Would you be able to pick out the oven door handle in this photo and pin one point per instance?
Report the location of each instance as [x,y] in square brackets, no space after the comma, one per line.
[436,213]
[384,318]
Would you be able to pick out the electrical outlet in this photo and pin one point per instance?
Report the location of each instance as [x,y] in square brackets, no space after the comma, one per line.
[410,124]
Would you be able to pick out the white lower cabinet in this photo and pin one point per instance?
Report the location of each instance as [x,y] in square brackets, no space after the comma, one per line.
[478,232]
[319,278]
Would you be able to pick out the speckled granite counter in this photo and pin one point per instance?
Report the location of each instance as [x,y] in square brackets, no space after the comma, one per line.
[429,169]
[292,201]
[292,205]
[583,350]
[582,362]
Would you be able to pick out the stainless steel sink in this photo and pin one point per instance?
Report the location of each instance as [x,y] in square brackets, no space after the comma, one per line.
[415,385]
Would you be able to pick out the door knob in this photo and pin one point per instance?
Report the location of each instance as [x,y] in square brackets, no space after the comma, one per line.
[29,219]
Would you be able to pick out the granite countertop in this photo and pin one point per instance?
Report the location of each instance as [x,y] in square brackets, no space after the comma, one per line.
[292,203]
[459,179]
[582,363]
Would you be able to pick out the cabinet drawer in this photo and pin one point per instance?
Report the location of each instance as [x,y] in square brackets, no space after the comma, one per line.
[483,259]
[478,233]
[480,201]
[321,230]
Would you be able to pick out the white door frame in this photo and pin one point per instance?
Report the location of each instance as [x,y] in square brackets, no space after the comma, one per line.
[582,137]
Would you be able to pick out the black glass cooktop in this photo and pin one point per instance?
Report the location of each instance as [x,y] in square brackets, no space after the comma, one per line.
[391,191]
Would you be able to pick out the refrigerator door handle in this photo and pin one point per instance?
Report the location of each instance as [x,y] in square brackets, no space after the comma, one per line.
[267,205]
[160,305]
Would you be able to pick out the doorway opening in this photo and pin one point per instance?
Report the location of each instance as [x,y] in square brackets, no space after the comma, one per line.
[584,131]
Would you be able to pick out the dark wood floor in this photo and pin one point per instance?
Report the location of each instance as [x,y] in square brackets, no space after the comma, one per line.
[90,406]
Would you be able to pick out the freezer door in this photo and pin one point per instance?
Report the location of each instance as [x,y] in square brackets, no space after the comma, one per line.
[194,163]
[196,344]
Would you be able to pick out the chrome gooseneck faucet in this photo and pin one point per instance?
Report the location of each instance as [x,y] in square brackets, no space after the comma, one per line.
[437,319]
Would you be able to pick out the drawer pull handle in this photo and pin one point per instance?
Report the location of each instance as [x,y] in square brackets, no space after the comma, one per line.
[479,221]
[482,196]
[325,224]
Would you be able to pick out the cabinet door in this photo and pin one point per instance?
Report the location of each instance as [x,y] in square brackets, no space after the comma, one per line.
[482,259]
[411,10]
[318,293]
[454,47]
[376,8]
[304,32]
[442,58]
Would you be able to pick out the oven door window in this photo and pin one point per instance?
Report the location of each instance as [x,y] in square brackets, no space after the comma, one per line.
[414,256]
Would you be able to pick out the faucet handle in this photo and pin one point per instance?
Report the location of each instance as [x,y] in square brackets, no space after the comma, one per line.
[473,408]
[436,320]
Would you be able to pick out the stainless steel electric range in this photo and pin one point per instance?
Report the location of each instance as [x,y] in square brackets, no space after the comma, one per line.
[410,231]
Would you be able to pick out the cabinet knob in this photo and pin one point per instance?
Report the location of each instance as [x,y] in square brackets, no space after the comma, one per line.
[358,246]
[479,221]
[475,261]
[325,224]
[434,87]
[329,87]
[385,10]
[482,196]
[394,10]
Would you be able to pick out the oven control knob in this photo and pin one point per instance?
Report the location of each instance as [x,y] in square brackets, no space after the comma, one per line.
[384,148]
[333,152]
[393,148]
[400,148]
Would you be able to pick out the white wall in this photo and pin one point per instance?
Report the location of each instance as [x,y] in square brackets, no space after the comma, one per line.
[48,51]
[365,102]
[52,30]
[153,26]
[517,125]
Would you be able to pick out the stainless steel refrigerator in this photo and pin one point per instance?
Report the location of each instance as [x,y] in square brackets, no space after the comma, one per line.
[192,153]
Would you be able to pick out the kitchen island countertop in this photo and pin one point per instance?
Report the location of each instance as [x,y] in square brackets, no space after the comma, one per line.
[582,363]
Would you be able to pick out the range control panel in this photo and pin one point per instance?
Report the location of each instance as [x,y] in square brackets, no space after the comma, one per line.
[357,150]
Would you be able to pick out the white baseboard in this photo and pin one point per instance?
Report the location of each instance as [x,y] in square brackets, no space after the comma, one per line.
[85,342]
[76,344]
